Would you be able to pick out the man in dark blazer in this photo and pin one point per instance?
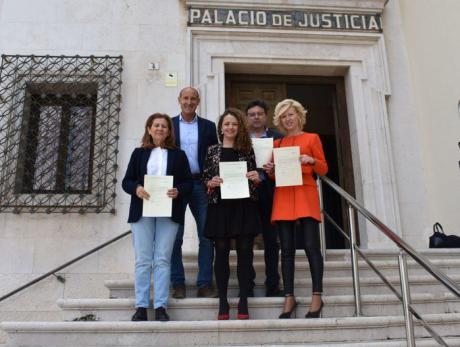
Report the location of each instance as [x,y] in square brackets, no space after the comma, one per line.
[257,116]
[194,135]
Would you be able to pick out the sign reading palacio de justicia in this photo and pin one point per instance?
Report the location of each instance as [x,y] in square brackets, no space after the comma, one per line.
[295,19]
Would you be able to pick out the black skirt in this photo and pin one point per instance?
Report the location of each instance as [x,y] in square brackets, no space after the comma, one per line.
[230,218]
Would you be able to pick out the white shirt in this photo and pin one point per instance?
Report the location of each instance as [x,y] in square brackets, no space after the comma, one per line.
[158,162]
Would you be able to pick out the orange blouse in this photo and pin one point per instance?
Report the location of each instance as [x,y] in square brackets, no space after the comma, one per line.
[292,203]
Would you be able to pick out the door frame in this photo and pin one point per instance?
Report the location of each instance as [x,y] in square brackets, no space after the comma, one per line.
[360,58]
[341,131]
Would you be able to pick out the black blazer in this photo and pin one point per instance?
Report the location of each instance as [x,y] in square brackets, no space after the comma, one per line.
[207,136]
[177,166]
[274,133]
[265,188]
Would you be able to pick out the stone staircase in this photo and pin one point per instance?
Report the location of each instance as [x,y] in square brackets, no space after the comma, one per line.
[193,319]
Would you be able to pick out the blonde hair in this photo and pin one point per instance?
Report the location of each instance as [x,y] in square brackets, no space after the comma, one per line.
[282,108]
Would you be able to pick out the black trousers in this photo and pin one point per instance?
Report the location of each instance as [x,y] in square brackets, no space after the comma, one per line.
[270,236]
[244,244]
[310,230]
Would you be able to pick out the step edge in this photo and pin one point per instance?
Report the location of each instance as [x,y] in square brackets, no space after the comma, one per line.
[263,324]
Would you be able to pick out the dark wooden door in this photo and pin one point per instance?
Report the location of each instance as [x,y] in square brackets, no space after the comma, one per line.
[324,99]
[243,92]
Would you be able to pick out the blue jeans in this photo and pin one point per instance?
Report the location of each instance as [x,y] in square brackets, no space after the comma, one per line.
[199,206]
[153,239]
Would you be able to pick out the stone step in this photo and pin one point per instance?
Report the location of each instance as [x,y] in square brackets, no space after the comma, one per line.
[344,254]
[342,268]
[332,286]
[420,342]
[199,309]
[223,333]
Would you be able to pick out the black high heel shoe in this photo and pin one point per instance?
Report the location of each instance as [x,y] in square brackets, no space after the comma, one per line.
[317,313]
[287,315]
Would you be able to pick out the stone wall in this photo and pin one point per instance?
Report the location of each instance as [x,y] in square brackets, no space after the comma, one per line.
[420,101]
[143,31]
[431,31]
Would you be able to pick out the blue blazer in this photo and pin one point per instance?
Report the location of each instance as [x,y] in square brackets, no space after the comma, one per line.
[177,166]
[207,136]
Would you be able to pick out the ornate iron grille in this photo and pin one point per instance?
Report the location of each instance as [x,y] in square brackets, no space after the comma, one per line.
[59,121]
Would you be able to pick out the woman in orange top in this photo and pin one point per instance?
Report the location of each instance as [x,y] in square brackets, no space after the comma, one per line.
[299,205]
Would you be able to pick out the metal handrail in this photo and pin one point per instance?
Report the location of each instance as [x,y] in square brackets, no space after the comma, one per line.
[70,262]
[387,282]
[404,297]
[422,260]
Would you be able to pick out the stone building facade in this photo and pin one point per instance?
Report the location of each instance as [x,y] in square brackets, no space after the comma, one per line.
[393,66]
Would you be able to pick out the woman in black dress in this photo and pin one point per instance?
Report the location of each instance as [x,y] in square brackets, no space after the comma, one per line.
[229,219]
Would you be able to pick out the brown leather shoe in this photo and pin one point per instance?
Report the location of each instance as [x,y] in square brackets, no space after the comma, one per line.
[206,292]
[179,293]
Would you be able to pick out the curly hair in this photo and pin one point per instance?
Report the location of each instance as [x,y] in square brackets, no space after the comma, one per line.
[147,141]
[283,106]
[243,140]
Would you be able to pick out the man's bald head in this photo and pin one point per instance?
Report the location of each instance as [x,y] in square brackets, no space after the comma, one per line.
[189,99]
[189,89]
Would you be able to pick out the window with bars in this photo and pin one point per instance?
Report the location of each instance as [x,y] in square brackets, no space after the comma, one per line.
[59,133]
[57,138]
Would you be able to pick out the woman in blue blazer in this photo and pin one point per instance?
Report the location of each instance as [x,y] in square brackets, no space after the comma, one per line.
[153,237]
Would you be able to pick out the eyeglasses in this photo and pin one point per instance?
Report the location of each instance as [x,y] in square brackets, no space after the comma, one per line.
[253,114]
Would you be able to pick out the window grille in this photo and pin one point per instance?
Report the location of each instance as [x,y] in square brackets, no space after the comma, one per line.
[59,121]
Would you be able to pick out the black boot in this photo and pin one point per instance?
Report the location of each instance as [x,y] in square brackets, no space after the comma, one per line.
[140,315]
[161,315]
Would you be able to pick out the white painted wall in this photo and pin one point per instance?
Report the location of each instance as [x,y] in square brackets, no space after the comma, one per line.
[405,134]
[431,30]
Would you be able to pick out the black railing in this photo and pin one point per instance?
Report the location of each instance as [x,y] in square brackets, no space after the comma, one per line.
[59,268]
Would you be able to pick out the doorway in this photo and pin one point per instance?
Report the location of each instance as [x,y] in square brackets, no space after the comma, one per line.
[324,100]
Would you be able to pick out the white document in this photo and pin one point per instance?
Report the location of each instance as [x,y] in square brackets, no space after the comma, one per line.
[235,185]
[263,149]
[288,171]
[159,204]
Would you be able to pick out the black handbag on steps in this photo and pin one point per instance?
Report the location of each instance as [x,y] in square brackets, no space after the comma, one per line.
[441,240]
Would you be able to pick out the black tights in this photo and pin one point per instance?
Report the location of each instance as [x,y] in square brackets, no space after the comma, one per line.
[244,252]
[310,230]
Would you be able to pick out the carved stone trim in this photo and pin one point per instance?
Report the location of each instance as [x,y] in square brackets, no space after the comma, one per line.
[365,6]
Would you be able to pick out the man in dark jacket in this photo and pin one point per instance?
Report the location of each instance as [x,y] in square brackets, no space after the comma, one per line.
[256,112]
[194,135]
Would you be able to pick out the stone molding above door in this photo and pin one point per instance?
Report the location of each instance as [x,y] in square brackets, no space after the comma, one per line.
[364,6]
